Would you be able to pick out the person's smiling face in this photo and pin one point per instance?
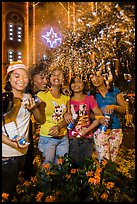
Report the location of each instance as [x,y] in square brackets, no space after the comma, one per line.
[77,86]
[56,78]
[97,80]
[40,81]
[19,79]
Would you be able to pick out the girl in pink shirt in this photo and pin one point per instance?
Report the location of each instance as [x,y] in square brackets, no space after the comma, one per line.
[80,107]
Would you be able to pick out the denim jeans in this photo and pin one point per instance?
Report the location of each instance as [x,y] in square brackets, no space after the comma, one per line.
[80,149]
[10,172]
[51,147]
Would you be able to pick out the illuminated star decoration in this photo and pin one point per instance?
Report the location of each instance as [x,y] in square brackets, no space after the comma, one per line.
[52,38]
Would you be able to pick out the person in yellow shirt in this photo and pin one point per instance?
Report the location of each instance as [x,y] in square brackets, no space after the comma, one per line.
[53,133]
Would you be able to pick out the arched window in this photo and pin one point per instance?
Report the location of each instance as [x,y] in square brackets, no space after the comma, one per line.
[14,35]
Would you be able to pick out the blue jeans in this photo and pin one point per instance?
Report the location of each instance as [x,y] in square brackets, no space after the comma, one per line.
[51,147]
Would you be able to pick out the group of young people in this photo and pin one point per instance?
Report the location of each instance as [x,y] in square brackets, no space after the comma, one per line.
[55,111]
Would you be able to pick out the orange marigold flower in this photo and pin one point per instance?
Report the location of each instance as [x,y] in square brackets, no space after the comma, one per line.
[50,198]
[60,161]
[46,166]
[91,180]
[104,196]
[89,173]
[104,162]
[94,181]
[97,181]
[98,169]
[68,176]
[26,183]
[50,173]
[97,175]
[33,179]
[73,171]
[5,196]
[97,164]
[39,196]
[110,185]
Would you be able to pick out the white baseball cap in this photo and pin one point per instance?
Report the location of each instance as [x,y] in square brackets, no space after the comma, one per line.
[16,65]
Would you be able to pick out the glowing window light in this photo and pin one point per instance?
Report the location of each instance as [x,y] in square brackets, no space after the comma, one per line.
[19,28]
[10,55]
[11,25]
[19,32]
[19,55]
[10,31]
[52,38]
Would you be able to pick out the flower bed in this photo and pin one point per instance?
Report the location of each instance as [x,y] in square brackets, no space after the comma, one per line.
[94,182]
